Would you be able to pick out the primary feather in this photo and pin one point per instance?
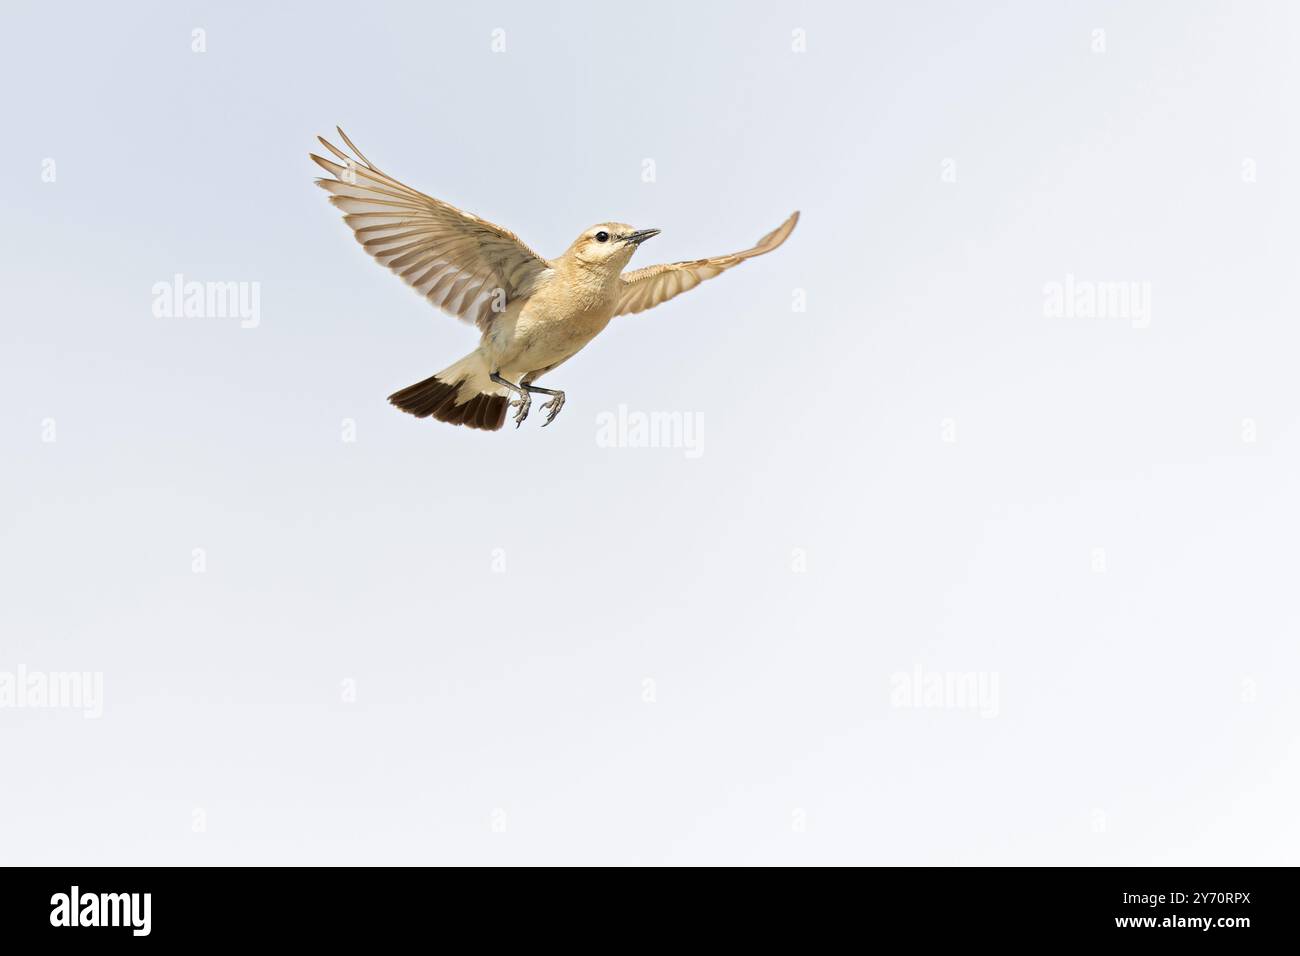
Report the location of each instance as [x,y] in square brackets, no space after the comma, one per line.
[464,265]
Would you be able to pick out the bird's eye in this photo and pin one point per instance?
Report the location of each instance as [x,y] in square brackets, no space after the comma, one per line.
[602,236]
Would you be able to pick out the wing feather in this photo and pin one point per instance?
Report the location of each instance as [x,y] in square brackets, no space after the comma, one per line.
[453,258]
[645,288]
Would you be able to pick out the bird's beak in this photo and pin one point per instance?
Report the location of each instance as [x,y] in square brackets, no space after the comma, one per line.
[640,236]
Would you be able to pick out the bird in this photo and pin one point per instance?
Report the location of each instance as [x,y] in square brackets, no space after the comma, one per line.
[533,314]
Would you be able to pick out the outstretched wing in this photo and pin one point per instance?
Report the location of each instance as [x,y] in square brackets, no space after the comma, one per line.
[462,264]
[645,288]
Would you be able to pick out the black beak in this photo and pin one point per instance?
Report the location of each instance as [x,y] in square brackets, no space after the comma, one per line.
[640,236]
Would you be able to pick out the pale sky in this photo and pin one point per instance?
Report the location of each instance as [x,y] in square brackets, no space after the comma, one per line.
[328,632]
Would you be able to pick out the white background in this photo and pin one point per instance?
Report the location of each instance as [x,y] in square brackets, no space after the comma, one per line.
[921,470]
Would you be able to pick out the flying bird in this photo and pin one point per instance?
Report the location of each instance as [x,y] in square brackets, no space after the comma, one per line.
[534,314]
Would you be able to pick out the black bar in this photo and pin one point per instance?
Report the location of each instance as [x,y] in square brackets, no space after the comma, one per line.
[1174,906]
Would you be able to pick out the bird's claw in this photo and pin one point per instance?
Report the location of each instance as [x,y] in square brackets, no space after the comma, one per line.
[554,405]
[525,402]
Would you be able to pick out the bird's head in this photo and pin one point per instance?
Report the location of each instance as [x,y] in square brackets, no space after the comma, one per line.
[608,245]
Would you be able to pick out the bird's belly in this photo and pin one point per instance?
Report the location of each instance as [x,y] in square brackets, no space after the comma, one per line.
[543,340]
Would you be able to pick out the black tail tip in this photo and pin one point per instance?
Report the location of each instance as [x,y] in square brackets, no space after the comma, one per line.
[434,398]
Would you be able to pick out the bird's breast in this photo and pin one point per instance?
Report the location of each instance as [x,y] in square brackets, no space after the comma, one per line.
[569,308]
[551,326]
[563,322]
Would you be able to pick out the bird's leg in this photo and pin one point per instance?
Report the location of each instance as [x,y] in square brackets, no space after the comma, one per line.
[524,401]
[555,404]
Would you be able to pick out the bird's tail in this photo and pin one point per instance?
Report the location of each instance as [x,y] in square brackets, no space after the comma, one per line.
[461,394]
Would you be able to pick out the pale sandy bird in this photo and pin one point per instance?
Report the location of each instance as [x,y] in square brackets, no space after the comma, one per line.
[534,313]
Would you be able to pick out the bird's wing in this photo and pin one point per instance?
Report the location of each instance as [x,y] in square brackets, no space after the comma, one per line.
[464,265]
[645,288]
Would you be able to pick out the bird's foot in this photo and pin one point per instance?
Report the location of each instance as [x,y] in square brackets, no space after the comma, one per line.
[524,402]
[555,404]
